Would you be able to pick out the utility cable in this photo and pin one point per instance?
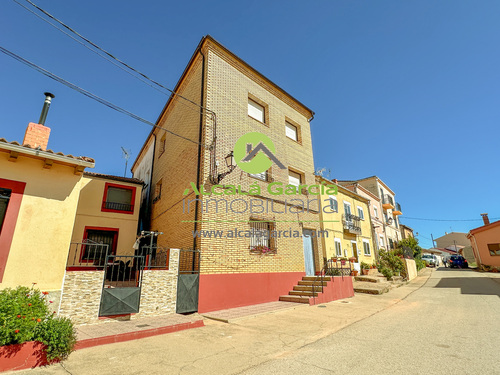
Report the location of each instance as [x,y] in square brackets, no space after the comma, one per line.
[112,56]
[424,219]
[91,95]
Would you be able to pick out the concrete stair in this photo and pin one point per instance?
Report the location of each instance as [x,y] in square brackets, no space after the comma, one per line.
[306,289]
[376,283]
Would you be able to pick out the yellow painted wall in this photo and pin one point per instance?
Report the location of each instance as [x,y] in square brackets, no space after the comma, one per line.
[336,229]
[43,229]
[89,214]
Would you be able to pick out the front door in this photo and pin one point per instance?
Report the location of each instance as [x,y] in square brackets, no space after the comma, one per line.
[355,251]
[308,252]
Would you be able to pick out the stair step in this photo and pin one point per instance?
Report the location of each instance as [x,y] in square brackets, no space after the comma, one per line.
[308,288]
[317,283]
[316,278]
[371,288]
[370,279]
[303,293]
[297,299]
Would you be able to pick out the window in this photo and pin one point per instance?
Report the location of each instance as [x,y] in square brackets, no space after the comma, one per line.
[361,214]
[157,191]
[338,247]
[334,205]
[294,178]
[4,202]
[396,222]
[366,247]
[494,248]
[381,241]
[95,254]
[118,198]
[260,239]
[256,111]
[347,210]
[261,176]
[162,145]
[381,193]
[291,131]
[375,212]
[391,244]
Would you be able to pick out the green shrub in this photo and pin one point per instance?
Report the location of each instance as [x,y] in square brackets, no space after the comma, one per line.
[387,272]
[364,266]
[25,316]
[420,264]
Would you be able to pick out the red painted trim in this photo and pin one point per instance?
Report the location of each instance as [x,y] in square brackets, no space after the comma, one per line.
[88,343]
[338,288]
[22,356]
[132,203]
[10,220]
[86,235]
[225,291]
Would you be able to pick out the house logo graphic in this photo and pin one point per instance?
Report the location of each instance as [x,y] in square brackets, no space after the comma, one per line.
[254,153]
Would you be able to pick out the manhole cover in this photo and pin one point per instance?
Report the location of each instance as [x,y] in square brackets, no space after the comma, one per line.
[142,325]
[345,302]
[321,306]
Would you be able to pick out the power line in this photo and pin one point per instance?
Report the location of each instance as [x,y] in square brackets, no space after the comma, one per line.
[90,95]
[107,53]
[424,219]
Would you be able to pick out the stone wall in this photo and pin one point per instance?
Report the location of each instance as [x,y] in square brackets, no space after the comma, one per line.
[159,289]
[81,296]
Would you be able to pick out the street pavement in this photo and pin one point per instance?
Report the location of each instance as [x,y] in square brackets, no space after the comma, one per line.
[444,322]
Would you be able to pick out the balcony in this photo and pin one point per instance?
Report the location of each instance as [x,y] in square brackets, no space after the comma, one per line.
[387,202]
[397,210]
[351,224]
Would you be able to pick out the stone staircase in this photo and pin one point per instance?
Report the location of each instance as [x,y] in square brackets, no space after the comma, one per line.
[306,289]
[375,283]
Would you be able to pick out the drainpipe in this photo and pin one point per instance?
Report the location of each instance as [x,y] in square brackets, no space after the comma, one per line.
[198,171]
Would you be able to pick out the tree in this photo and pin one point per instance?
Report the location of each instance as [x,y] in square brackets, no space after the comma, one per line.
[412,243]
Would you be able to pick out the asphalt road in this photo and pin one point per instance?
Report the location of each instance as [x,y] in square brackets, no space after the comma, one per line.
[451,325]
[448,323]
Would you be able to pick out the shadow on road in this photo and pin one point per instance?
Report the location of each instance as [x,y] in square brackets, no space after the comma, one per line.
[471,285]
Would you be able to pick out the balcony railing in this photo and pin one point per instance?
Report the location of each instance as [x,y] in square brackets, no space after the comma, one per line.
[387,202]
[118,206]
[397,210]
[87,254]
[351,224]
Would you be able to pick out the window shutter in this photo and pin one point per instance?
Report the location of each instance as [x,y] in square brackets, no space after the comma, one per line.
[291,131]
[256,110]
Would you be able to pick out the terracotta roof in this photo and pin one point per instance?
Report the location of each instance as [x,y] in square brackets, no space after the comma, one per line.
[82,158]
[115,178]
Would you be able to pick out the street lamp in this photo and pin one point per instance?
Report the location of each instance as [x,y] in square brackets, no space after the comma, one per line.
[230,165]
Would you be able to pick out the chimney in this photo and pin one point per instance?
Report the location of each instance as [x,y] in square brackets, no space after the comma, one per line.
[335,181]
[37,135]
[485,219]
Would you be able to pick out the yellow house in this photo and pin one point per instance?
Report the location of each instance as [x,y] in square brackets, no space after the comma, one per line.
[346,218]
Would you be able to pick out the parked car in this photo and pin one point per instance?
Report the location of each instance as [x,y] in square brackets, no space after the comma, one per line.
[430,259]
[458,261]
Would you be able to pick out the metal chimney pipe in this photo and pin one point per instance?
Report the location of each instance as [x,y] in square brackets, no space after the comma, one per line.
[46,105]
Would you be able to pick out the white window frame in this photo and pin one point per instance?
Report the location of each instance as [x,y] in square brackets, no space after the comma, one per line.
[381,241]
[256,111]
[369,249]
[362,216]
[338,252]
[260,176]
[331,197]
[375,211]
[291,129]
[350,208]
[290,172]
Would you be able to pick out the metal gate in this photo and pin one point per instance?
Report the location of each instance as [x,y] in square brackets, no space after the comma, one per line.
[121,289]
[188,281]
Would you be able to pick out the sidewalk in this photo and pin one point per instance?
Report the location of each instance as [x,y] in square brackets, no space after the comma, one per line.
[221,348]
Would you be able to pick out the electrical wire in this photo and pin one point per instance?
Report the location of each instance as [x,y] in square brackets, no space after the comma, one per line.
[112,56]
[424,219]
[91,95]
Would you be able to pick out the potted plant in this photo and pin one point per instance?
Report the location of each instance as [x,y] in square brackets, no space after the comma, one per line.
[354,273]
[364,268]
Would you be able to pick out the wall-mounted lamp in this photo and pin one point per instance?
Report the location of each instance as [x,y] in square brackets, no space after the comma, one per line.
[231,165]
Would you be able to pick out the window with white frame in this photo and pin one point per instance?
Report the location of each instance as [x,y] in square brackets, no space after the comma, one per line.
[261,176]
[291,131]
[375,212]
[361,213]
[256,110]
[294,178]
[334,205]
[381,241]
[347,210]
[366,247]
[338,247]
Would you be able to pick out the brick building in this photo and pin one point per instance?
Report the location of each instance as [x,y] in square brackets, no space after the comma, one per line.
[235,99]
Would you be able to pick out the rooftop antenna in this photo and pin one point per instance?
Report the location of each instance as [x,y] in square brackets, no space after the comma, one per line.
[126,156]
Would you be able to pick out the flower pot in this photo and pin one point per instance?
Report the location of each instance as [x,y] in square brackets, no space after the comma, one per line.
[365,272]
[354,273]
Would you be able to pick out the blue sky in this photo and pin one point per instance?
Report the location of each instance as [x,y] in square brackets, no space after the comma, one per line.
[406,90]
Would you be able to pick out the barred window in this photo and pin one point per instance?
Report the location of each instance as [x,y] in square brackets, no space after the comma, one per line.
[261,240]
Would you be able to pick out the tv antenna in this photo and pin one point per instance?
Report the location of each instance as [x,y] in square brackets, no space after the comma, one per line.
[126,156]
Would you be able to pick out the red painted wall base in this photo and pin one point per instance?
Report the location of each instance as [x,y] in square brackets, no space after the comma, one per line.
[22,356]
[338,288]
[225,291]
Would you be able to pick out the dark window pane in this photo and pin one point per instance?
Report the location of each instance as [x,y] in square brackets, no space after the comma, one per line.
[4,202]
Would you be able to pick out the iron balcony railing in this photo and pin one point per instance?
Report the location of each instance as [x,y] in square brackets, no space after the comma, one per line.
[118,206]
[387,199]
[351,223]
